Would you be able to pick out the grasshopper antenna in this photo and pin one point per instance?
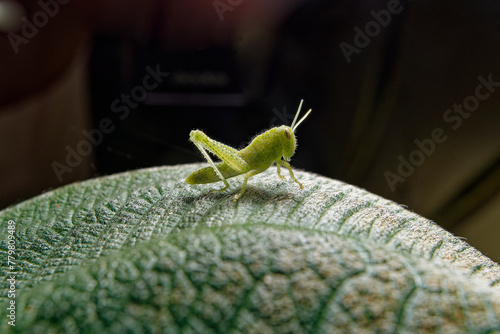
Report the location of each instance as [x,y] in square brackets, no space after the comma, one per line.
[301,120]
[297,115]
[294,126]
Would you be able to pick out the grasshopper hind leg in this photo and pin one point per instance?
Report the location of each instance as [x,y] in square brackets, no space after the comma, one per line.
[220,190]
[216,170]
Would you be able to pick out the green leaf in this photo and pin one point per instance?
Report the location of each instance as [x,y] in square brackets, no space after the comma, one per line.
[144,252]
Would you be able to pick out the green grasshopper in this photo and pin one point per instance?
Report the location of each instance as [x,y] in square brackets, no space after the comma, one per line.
[276,145]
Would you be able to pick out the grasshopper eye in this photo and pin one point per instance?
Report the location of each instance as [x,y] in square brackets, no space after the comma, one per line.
[288,135]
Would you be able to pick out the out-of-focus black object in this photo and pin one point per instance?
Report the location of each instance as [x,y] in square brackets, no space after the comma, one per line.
[156,99]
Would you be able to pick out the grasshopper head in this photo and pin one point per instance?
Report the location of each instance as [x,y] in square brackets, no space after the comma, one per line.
[288,143]
[287,134]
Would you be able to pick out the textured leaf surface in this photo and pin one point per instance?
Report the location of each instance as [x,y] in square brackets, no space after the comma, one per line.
[145,252]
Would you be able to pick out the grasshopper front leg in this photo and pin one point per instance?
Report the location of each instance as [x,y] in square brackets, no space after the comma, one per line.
[279,171]
[287,165]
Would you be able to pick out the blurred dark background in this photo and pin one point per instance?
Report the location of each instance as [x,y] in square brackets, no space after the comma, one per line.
[105,87]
